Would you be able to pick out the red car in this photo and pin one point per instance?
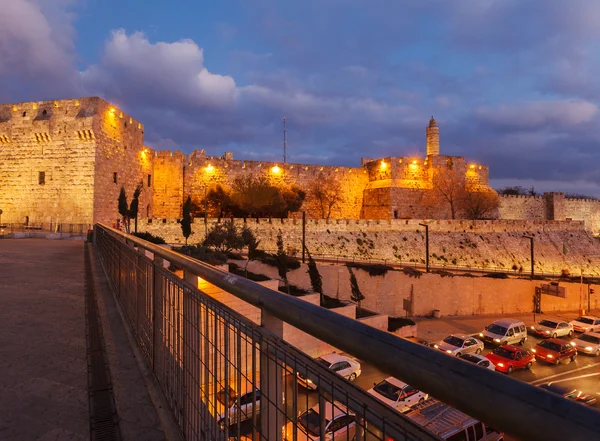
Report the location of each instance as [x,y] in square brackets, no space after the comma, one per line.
[507,358]
[554,350]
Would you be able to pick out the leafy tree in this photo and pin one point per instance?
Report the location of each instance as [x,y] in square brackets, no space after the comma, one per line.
[356,295]
[517,191]
[293,197]
[219,202]
[282,261]
[124,208]
[256,196]
[479,204]
[448,188]
[224,237]
[135,203]
[186,221]
[327,192]
[316,281]
[252,243]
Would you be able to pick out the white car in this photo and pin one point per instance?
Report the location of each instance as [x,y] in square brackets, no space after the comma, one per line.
[588,343]
[552,328]
[242,409]
[460,344]
[342,365]
[398,394]
[479,360]
[586,323]
[340,424]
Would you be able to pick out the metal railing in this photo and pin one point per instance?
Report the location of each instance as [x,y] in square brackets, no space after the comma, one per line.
[8,229]
[225,376]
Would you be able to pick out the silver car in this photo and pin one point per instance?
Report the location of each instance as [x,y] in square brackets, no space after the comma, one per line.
[459,344]
[588,343]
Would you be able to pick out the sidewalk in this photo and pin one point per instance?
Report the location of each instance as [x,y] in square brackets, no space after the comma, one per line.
[433,330]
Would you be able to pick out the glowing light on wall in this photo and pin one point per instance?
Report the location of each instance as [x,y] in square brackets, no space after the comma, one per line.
[209,168]
[383,165]
[472,166]
[112,110]
[275,169]
[414,162]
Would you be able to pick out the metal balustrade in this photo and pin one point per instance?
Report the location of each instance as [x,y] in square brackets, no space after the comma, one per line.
[226,377]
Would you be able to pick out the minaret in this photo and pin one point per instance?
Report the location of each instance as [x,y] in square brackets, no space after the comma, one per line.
[433,138]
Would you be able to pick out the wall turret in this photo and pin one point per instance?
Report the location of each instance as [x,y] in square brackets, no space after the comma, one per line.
[433,138]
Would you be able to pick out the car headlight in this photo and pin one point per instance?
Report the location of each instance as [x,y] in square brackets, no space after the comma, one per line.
[449,352]
[309,381]
[588,348]
[497,340]
[436,346]
[550,356]
[500,364]
[533,327]
[547,332]
[573,344]
[481,334]
[534,351]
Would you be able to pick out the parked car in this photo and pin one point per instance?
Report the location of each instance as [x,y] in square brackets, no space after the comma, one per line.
[340,424]
[586,323]
[508,358]
[347,367]
[397,394]
[479,360]
[242,409]
[460,344]
[451,424]
[505,332]
[554,350]
[552,328]
[570,393]
[588,343]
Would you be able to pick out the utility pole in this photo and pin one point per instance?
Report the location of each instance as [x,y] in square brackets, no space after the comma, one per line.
[205,215]
[426,246]
[532,261]
[284,140]
[303,236]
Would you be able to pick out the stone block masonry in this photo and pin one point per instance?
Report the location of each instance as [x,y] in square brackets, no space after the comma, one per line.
[495,245]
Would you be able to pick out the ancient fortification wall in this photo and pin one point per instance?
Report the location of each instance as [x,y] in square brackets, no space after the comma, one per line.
[58,159]
[477,244]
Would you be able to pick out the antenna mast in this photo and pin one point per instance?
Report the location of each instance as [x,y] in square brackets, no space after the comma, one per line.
[284,141]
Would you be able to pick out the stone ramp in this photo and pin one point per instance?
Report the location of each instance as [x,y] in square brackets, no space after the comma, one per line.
[43,387]
[43,367]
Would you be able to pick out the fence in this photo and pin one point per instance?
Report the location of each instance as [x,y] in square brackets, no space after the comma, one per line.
[44,227]
[226,377]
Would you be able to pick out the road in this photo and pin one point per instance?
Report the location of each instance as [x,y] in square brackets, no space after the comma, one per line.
[582,374]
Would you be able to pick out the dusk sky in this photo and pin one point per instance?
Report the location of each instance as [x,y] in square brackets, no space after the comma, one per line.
[512,83]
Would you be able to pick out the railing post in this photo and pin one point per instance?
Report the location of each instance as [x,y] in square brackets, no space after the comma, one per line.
[157,297]
[271,381]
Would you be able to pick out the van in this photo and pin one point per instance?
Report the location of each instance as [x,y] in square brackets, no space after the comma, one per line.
[450,424]
[505,332]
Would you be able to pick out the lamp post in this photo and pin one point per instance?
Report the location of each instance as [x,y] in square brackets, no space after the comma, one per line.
[303,236]
[426,246]
[205,215]
[532,261]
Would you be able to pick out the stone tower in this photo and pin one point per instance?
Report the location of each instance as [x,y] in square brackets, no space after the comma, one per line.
[433,138]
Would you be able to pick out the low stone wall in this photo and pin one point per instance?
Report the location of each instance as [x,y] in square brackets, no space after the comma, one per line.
[451,295]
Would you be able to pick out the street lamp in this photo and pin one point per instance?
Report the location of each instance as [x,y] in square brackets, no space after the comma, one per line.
[426,246]
[532,261]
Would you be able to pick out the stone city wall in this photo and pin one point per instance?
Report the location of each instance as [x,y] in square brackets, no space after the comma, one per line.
[473,244]
[451,295]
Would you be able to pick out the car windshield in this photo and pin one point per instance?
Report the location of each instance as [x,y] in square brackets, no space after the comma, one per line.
[587,320]
[454,341]
[589,338]
[388,390]
[471,358]
[497,329]
[551,346]
[501,352]
[323,362]
[548,324]
[310,422]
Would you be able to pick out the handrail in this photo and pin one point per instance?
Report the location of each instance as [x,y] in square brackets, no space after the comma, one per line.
[517,408]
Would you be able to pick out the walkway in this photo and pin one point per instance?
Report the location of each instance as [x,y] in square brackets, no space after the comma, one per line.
[43,367]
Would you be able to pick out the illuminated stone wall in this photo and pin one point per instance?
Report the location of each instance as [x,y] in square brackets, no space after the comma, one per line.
[58,159]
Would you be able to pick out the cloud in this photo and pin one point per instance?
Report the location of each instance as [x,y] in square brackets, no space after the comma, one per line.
[158,73]
[538,114]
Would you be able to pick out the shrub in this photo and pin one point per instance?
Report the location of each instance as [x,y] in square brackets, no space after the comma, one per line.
[375,269]
[442,273]
[204,254]
[294,290]
[149,237]
[395,323]
[496,275]
[467,275]
[412,272]
[234,269]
